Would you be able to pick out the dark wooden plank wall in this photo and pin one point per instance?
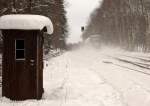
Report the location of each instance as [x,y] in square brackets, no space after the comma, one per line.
[7,63]
[40,63]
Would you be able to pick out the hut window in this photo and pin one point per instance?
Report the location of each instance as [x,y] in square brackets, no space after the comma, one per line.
[20,49]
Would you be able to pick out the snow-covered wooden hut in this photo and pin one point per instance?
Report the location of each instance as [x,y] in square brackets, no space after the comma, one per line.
[23,55]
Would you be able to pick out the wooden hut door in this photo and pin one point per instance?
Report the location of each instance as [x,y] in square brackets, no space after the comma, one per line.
[31,63]
[26,61]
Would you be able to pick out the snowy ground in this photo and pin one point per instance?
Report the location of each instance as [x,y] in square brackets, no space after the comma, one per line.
[90,77]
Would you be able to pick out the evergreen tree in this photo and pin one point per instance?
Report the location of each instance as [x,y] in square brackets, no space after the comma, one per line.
[54,9]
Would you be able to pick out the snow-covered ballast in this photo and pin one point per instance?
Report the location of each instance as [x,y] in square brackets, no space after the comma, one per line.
[26,22]
[22,68]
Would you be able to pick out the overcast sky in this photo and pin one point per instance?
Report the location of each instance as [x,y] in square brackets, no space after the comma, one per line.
[78,12]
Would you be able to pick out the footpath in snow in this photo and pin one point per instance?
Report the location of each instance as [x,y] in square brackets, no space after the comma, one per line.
[90,77]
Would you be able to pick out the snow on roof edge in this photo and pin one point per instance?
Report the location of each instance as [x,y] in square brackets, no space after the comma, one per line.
[26,22]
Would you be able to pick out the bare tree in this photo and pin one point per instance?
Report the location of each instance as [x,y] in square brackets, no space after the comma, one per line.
[121,22]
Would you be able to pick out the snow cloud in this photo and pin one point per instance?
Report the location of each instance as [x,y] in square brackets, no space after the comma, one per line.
[78,12]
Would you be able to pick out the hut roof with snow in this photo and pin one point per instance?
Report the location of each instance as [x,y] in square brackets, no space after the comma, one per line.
[26,22]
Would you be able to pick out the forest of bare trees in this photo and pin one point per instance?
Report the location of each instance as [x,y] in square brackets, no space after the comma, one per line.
[54,9]
[123,23]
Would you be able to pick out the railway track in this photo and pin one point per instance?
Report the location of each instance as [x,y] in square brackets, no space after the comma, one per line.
[143,66]
[139,58]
